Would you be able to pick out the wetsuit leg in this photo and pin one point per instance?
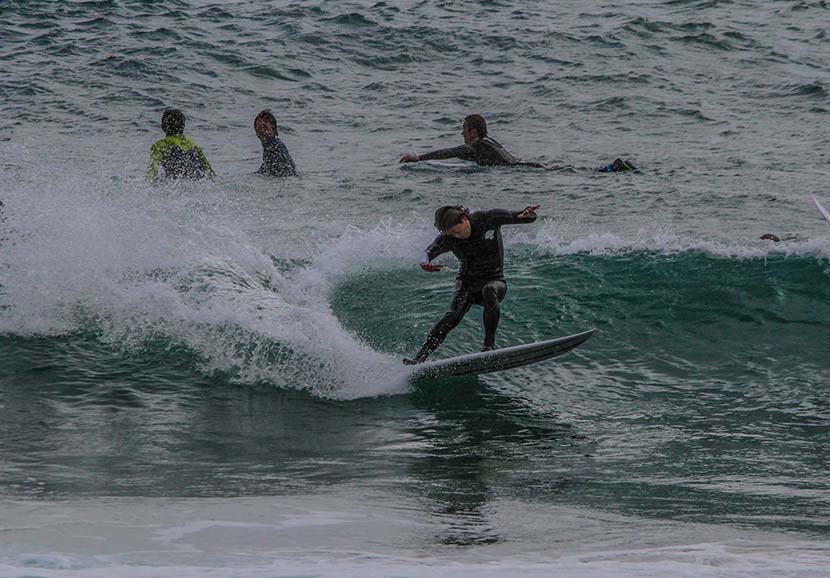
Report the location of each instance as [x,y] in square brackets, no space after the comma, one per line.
[618,166]
[461,303]
[492,294]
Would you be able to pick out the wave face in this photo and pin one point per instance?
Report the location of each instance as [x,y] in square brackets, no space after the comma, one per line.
[241,338]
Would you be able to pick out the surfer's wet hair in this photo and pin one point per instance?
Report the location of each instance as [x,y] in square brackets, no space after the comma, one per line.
[477,122]
[449,216]
[172,121]
[268,117]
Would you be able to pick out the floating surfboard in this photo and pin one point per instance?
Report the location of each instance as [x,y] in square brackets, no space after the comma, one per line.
[822,210]
[445,165]
[501,359]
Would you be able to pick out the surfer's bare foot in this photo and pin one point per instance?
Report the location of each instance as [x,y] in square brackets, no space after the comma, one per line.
[416,361]
[487,348]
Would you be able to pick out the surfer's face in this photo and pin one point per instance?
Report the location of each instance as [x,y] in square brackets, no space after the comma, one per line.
[460,231]
[263,129]
[469,134]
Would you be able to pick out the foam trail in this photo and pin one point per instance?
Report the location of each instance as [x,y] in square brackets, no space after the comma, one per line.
[553,238]
[134,265]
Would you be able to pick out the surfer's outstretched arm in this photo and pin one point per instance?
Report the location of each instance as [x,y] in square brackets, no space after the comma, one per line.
[462,152]
[499,217]
[528,215]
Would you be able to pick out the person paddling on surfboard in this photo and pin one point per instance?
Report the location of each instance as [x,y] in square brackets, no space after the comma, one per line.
[485,151]
[478,148]
[475,239]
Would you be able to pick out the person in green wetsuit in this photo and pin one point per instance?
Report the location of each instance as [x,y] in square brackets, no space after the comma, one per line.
[180,157]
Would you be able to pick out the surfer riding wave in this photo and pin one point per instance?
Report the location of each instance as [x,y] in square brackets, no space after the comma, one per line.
[475,240]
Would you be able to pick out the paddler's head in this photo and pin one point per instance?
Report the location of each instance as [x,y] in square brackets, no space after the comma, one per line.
[453,221]
[265,125]
[172,122]
[474,128]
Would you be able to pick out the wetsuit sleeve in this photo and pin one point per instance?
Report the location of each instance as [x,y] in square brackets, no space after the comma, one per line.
[291,163]
[499,217]
[439,246]
[156,156]
[205,162]
[290,167]
[463,152]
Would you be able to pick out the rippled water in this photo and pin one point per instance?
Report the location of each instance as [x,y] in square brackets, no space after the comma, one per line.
[205,379]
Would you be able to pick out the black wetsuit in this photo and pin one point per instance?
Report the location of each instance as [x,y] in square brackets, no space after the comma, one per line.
[489,153]
[480,280]
[618,166]
[483,151]
[276,161]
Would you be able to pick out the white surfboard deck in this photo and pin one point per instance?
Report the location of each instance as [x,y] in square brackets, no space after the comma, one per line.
[501,359]
[822,210]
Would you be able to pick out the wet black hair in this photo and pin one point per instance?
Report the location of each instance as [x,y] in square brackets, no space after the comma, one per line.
[172,121]
[477,122]
[268,116]
[449,216]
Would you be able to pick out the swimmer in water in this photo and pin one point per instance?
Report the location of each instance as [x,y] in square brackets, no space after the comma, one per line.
[177,155]
[276,161]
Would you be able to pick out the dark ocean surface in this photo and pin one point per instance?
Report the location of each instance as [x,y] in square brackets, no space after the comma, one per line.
[204,378]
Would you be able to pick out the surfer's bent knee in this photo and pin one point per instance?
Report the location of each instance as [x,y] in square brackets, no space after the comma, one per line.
[494,291]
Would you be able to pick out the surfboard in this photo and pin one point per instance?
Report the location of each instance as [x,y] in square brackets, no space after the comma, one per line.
[822,210]
[445,165]
[501,359]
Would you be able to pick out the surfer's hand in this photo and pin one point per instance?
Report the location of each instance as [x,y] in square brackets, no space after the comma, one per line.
[430,267]
[531,210]
[409,158]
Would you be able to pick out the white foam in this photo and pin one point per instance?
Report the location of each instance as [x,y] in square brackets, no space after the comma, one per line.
[136,263]
[554,238]
[338,536]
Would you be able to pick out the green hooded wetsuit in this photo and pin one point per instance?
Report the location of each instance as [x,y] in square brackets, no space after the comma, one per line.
[180,157]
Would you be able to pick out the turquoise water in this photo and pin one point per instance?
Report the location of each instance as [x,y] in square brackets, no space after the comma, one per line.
[204,378]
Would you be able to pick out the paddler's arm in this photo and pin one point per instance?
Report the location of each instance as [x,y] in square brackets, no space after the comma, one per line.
[157,153]
[463,152]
